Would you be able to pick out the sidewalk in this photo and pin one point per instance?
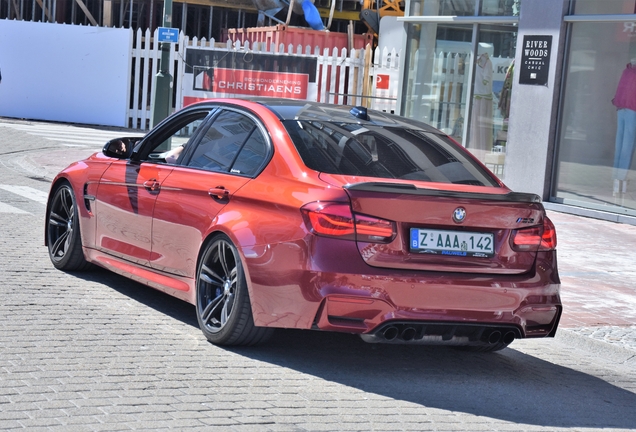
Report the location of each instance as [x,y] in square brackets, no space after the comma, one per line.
[596,258]
[597,264]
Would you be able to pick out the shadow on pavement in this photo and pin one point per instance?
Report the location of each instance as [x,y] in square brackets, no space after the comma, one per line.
[161,302]
[507,385]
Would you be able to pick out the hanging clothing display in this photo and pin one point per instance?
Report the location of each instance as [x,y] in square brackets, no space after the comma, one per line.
[506,91]
[481,132]
[625,102]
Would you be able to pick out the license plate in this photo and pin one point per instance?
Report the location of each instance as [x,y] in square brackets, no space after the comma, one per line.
[457,243]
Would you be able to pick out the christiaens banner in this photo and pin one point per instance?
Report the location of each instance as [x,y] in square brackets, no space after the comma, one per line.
[212,72]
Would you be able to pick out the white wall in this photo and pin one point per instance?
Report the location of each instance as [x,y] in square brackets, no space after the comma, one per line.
[65,73]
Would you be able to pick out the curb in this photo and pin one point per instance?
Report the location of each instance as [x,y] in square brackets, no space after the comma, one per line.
[608,351]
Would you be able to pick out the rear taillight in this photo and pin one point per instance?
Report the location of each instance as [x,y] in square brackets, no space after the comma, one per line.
[549,238]
[536,238]
[337,220]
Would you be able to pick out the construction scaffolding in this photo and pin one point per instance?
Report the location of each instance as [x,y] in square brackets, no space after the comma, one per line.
[208,19]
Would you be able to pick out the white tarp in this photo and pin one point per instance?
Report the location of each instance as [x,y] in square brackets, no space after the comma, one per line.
[66,73]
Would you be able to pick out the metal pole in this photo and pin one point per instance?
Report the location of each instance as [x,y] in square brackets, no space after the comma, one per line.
[184,16]
[162,102]
[210,23]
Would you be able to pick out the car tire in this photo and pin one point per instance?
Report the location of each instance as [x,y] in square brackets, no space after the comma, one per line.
[223,305]
[64,239]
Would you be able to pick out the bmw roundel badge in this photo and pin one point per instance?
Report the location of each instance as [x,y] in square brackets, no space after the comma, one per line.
[459,215]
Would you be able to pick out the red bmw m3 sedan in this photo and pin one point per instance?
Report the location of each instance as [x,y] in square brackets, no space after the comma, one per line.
[272,213]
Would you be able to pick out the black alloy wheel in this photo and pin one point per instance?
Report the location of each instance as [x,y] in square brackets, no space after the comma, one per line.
[63,233]
[223,305]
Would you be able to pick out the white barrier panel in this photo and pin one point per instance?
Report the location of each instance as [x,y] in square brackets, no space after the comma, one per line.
[69,73]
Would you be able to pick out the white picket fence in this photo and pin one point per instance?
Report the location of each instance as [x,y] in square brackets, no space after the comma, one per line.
[343,77]
[348,78]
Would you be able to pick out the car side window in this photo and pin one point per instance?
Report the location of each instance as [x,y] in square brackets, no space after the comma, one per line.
[168,144]
[251,156]
[233,143]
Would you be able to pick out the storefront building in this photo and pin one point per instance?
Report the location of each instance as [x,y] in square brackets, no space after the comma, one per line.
[541,91]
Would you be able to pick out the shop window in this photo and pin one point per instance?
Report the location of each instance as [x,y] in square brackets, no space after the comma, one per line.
[443,7]
[465,7]
[594,167]
[605,7]
[438,90]
[491,95]
[500,7]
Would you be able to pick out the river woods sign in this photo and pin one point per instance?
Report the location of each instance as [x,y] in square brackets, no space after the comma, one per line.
[535,60]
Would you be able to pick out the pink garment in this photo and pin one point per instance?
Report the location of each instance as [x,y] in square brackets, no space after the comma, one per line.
[626,90]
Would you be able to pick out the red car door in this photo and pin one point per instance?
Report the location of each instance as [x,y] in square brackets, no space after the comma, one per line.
[233,150]
[127,191]
[184,211]
[124,203]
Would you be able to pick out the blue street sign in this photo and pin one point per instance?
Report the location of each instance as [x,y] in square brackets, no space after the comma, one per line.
[166,34]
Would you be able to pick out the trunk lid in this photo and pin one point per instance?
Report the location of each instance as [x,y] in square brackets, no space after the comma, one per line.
[433,236]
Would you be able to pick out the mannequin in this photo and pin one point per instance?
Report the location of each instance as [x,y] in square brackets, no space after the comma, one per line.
[625,102]
[481,116]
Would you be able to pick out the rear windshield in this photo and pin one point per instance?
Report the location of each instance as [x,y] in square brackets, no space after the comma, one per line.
[383,152]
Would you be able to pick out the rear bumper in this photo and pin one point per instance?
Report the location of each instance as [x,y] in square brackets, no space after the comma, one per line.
[331,288]
[384,322]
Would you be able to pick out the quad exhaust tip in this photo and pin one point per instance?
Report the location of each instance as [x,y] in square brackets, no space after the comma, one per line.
[408,334]
[496,337]
[390,333]
[452,334]
[509,337]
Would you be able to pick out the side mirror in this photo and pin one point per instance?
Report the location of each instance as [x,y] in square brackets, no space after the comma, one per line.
[120,148]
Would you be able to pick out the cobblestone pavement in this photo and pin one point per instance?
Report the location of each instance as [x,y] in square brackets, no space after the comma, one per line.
[94,351]
[598,278]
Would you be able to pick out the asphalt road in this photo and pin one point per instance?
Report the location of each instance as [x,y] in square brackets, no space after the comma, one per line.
[95,351]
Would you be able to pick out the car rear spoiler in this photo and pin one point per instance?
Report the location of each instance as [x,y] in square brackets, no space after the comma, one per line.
[411,189]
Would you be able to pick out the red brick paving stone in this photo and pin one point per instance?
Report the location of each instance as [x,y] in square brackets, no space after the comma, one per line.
[597,264]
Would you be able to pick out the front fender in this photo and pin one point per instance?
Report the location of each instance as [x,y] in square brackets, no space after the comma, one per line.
[83,177]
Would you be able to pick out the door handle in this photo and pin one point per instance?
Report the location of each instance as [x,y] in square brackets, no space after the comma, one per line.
[152,185]
[219,193]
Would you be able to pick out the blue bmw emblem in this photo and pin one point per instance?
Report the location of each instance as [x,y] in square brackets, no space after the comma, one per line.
[459,215]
